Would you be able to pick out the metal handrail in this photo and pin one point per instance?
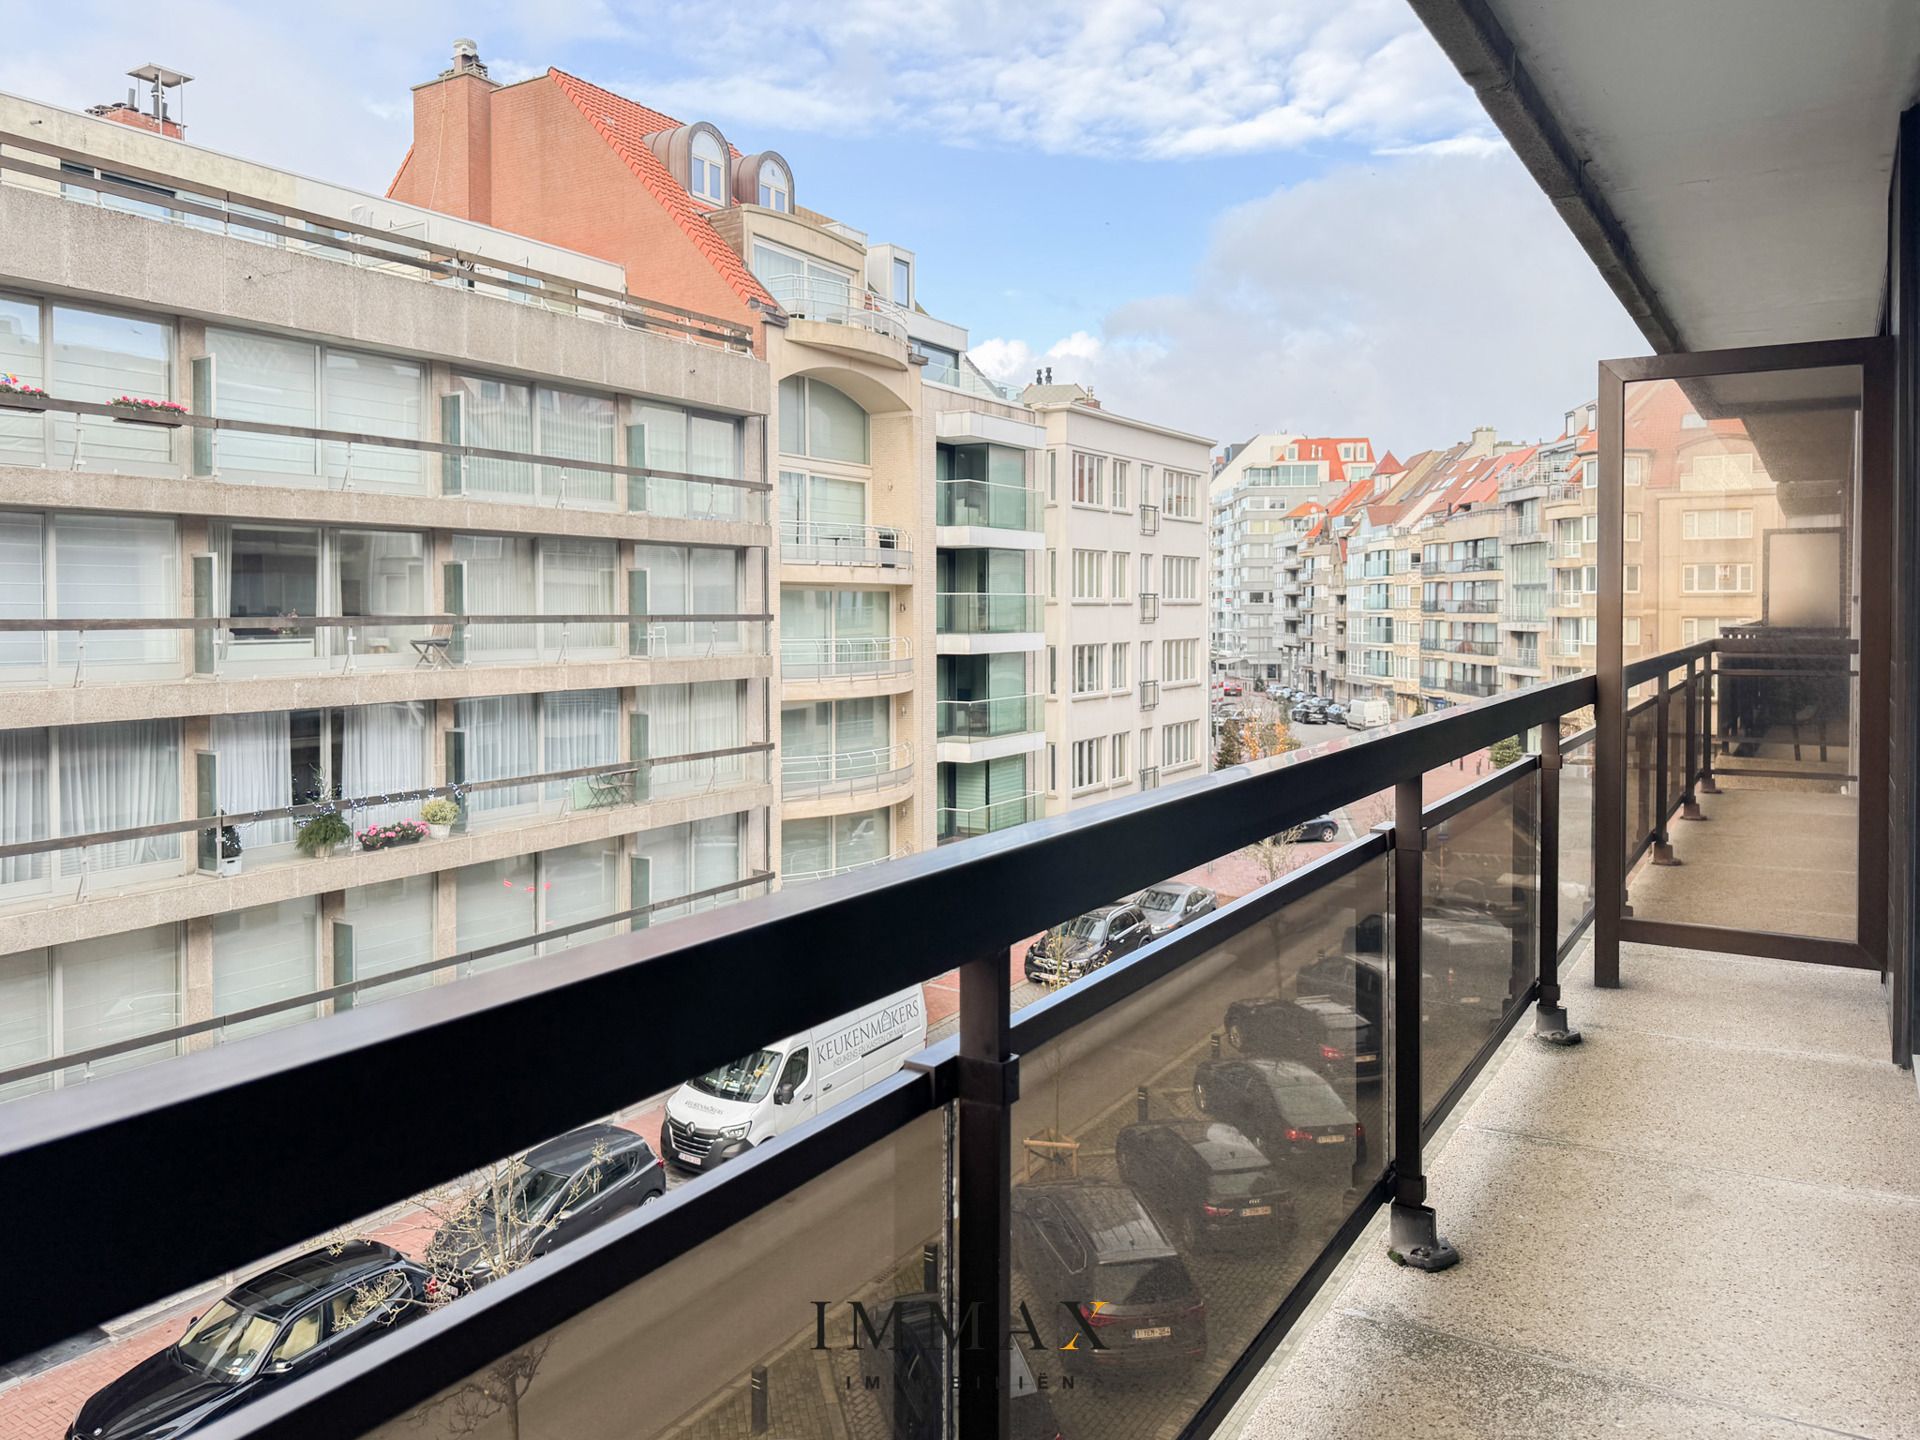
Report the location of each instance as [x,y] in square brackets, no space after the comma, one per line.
[851,657]
[388,247]
[839,303]
[802,877]
[846,771]
[820,542]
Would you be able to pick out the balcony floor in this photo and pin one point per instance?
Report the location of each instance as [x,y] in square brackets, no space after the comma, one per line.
[1705,1221]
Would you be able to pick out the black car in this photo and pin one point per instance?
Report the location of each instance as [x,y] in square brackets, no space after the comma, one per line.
[910,1373]
[1308,712]
[1095,1247]
[283,1323]
[1089,941]
[1318,830]
[1364,977]
[1175,903]
[1286,1108]
[1317,1030]
[1336,714]
[557,1191]
[1208,1184]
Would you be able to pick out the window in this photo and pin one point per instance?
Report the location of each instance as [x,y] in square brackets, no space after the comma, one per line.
[1630,579]
[708,168]
[1717,525]
[1053,670]
[1088,474]
[1725,471]
[825,741]
[1118,751]
[1086,763]
[85,355]
[903,282]
[1119,484]
[1146,484]
[1053,574]
[695,718]
[1636,469]
[823,510]
[1119,574]
[65,998]
[666,437]
[514,735]
[676,861]
[1088,566]
[1693,631]
[266,953]
[1716,579]
[1182,495]
[83,566]
[504,415]
[1177,743]
[1182,659]
[776,186]
[1631,531]
[817,420]
[1181,577]
[1630,630]
[1119,665]
[1087,667]
[1053,768]
[1053,477]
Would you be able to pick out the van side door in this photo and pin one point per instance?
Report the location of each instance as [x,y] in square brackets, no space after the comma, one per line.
[797,1083]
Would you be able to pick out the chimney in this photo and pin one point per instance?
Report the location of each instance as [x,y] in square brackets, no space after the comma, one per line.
[1483,440]
[159,119]
[1049,374]
[452,166]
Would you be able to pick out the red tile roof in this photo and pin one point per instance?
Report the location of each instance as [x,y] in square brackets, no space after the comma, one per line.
[625,125]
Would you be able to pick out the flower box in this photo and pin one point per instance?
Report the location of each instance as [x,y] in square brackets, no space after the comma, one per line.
[13,385]
[385,837]
[163,413]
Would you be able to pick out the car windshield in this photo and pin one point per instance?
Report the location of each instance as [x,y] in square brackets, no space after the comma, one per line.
[1087,927]
[227,1342]
[1142,1282]
[526,1196]
[1161,900]
[749,1079]
[1238,1184]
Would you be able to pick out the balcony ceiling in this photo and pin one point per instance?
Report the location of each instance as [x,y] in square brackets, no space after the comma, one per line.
[1725,162]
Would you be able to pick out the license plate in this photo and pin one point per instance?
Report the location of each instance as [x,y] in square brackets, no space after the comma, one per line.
[686,1159]
[1253,1210]
[1153,1332]
[1329,1139]
[1366,1059]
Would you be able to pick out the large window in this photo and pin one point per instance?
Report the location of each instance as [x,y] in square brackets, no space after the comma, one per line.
[392,929]
[1178,742]
[826,741]
[1182,660]
[1716,579]
[813,849]
[822,510]
[83,780]
[506,415]
[1181,577]
[692,720]
[822,423]
[555,575]
[1716,525]
[269,575]
[691,580]
[514,735]
[269,760]
[834,631]
[516,898]
[69,998]
[91,355]
[1088,478]
[665,437]
[278,381]
[265,954]
[87,566]
[677,861]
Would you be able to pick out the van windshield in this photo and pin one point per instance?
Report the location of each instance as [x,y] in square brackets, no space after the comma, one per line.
[748,1080]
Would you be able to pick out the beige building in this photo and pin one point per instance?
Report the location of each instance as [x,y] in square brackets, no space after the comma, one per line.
[1126,599]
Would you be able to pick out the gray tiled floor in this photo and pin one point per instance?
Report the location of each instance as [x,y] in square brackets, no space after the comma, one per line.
[1703,1222]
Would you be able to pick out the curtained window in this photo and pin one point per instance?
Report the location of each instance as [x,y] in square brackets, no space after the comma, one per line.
[71,998]
[690,719]
[392,930]
[264,954]
[99,357]
[495,902]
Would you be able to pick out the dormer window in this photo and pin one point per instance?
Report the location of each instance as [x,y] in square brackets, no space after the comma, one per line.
[776,190]
[707,174]
[902,282]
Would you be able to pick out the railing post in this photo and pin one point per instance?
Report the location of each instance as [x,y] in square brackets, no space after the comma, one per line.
[1662,718]
[1707,785]
[1414,1236]
[989,1084]
[1550,1016]
[1689,805]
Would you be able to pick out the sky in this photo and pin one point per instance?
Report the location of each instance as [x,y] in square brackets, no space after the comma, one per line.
[1226,216]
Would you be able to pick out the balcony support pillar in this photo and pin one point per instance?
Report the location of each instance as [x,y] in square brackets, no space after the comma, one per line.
[983,1183]
[1707,783]
[1690,775]
[1414,1237]
[1550,1023]
[1662,718]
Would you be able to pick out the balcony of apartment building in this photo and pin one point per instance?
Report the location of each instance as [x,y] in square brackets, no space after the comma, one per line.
[1525,605]
[987,709]
[983,605]
[1710,886]
[833,781]
[872,554]
[983,497]
[1519,657]
[836,313]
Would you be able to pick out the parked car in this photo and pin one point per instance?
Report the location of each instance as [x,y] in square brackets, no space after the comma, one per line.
[1096,1247]
[1336,714]
[283,1323]
[1308,712]
[912,1368]
[1206,1183]
[1365,714]
[558,1192]
[1233,688]
[1319,830]
[1174,903]
[1364,977]
[1316,1029]
[1286,1108]
[1096,938]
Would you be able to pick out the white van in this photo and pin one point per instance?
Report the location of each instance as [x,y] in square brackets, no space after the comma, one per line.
[728,1111]
[1365,714]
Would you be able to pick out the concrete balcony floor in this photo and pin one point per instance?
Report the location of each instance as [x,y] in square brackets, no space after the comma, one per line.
[1704,1221]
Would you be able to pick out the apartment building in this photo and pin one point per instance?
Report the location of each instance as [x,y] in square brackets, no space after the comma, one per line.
[909,624]
[410,507]
[1126,614]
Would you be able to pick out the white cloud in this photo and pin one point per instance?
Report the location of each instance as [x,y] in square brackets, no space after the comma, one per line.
[1410,299]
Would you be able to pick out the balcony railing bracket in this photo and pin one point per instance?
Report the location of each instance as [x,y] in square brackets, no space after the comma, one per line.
[1552,1027]
[1415,1241]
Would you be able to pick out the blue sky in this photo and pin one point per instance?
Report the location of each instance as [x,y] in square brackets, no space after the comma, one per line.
[1227,216]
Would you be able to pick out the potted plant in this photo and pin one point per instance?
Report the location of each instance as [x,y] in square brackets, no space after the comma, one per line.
[148,412]
[11,384]
[385,837]
[229,850]
[318,836]
[440,813]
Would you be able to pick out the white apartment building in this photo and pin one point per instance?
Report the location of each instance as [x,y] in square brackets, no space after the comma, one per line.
[1126,589]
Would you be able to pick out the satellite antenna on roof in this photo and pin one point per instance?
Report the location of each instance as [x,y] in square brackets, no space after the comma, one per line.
[162,80]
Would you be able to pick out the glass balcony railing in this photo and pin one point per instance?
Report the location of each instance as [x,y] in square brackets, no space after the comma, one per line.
[988,503]
[973,612]
[962,824]
[990,719]
[851,657]
[802,877]
[839,302]
[965,377]
[825,543]
[845,772]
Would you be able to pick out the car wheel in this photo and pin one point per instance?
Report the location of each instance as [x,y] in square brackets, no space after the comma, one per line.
[1234,1038]
[1200,1096]
[1327,832]
[649,1199]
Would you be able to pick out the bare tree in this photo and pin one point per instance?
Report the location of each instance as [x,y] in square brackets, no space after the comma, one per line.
[1274,854]
[1053,958]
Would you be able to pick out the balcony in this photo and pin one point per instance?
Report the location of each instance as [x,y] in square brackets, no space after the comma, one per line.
[972,612]
[823,543]
[1149,694]
[984,504]
[1149,606]
[1432,646]
[1516,658]
[1000,718]
[1149,777]
[966,823]
[853,658]
[1460,607]
[1469,565]
[856,774]
[1149,519]
[805,877]
[844,317]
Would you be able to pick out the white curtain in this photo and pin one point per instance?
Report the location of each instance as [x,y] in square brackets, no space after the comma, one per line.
[120,987]
[714,449]
[384,750]
[23,437]
[578,577]
[23,583]
[375,395]
[23,804]
[493,903]
[669,868]
[713,588]
[501,743]
[272,381]
[716,857]
[114,566]
[255,772]
[663,435]
[578,884]
[116,777]
[100,357]
[719,722]
[26,1018]
[496,416]
[500,575]
[392,930]
[576,427]
[582,727]
[267,953]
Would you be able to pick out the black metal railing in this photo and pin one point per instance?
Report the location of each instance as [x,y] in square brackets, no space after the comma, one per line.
[418,1080]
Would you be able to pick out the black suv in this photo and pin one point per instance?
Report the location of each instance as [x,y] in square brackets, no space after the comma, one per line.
[1287,1109]
[283,1323]
[1364,977]
[1308,712]
[1096,938]
[1095,1247]
[1206,1182]
[558,1191]
[1316,1029]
